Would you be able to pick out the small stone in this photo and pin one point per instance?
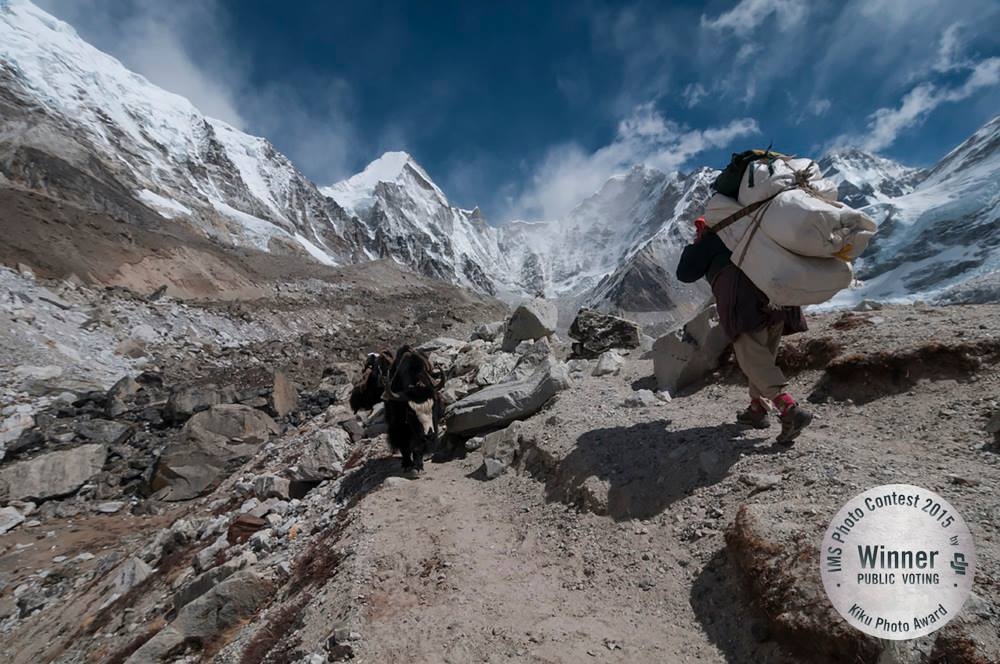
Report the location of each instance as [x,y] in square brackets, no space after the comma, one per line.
[270,486]
[109,507]
[641,399]
[9,519]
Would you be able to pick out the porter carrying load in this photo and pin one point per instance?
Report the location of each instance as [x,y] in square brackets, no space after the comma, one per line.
[787,231]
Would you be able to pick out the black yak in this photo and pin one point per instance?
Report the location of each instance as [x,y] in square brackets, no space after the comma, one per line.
[367,390]
[413,406]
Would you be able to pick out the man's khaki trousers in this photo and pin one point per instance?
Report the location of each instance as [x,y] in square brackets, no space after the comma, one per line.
[756,353]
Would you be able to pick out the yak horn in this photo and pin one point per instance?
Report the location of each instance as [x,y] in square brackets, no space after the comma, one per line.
[389,395]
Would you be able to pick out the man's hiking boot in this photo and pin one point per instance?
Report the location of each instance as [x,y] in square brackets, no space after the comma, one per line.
[754,417]
[793,421]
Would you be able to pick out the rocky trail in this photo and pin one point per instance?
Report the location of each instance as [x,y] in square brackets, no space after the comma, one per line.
[222,503]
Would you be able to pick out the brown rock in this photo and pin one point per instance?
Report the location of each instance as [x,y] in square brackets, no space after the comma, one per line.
[284,397]
[243,526]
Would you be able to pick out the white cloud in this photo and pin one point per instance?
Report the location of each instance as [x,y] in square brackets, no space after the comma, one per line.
[886,124]
[748,15]
[569,173]
[693,94]
[819,106]
[950,49]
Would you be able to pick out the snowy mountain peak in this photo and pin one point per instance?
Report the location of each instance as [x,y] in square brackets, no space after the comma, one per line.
[357,193]
[863,178]
[979,152]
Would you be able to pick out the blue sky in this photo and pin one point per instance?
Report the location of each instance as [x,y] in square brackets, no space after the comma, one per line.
[526,107]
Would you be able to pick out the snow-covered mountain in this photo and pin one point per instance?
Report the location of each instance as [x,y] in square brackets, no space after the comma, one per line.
[76,125]
[940,241]
[71,112]
[863,178]
[407,217]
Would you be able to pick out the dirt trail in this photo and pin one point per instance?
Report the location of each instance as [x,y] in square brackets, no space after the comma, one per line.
[464,570]
[607,542]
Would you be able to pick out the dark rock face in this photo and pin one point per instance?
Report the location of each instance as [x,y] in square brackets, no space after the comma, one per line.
[596,332]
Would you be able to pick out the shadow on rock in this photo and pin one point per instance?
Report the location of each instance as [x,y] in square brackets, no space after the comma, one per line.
[737,629]
[637,472]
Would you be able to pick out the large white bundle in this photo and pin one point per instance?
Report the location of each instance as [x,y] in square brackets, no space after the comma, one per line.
[779,175]
[787,278]
[811,226]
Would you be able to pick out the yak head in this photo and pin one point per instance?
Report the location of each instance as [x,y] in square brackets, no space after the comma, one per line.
[414,381]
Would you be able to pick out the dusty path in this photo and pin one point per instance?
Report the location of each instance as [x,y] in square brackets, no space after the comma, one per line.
[608,544]
[470,571]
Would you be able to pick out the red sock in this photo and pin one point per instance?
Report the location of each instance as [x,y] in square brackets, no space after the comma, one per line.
[783,402]
[757,404]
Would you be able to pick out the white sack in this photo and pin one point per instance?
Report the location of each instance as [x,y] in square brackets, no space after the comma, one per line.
[810,226]
[767,184]
[800,223]
[789,279]
[786,278]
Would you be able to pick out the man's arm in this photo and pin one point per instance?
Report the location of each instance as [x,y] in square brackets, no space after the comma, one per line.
[694,262]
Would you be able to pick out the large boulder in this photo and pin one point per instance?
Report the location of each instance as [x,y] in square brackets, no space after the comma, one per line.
[495,368]
[500,404]
[683,356]
[500,450]
[596,333]
[12,427]
[323,456]
[231,425]
[211,444]
[530,321]
[231,602]
[51,475]
[106,432]
[188,400]
[609,363]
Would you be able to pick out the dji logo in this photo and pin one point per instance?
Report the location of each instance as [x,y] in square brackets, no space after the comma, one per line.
[958,563]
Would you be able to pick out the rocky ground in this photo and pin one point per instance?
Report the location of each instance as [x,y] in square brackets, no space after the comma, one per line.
[199,491]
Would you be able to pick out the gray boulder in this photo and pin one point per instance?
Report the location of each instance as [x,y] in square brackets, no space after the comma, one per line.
[500,404]
[231,425]
[683,356]
[211,444]
[12,427]
[489,331]
[9,518]
[596,333]
[105,432]
[270,486]
[186,401]
[610,362]
[226,605]
[323,456]
[495,368]
[641,399]
[530,321]
[500,449]
[51,475]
